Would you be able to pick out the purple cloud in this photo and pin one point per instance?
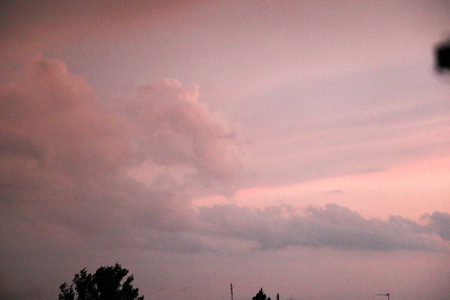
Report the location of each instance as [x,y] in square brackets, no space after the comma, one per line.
[331,226]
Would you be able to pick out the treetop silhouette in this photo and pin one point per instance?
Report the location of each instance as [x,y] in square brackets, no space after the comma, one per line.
[105,284]
[261,296]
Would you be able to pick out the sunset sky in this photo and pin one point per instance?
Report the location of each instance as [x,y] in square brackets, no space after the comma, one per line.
[298,146]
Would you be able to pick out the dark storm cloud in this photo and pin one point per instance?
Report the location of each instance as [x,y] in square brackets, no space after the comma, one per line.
[331,226]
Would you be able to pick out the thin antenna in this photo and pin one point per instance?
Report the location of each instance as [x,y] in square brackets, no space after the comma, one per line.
[384,295]
[231,288]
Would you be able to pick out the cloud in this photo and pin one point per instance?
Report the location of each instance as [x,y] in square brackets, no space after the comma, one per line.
[68,158]
[173,127]
[44,24]
[32,291]
[439,223]
[330,226]
[117,173]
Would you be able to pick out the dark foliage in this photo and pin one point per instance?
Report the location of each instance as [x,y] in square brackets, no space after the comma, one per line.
[261,296]
[105,284]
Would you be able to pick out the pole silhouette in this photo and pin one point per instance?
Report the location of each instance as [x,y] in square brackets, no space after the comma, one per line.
[384,295]
[231,289]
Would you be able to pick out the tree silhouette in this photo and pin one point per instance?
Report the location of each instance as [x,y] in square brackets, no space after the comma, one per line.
[105,284]
[261,296]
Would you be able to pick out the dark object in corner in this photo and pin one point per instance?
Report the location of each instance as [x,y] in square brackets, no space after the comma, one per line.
[442,56]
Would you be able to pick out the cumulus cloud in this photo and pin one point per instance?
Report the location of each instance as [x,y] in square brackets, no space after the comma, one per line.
[78,169]
[439,223]
[68,158]
[173,127]
[330,226]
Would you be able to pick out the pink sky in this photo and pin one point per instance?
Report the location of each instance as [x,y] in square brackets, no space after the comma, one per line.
[298,146]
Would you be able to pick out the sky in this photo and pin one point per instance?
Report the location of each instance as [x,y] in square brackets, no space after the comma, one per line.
[298,146]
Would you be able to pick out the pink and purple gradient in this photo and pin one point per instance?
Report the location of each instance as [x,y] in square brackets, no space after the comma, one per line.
[298,146]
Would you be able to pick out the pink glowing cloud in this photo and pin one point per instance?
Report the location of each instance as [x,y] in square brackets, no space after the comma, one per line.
[68,156]
[79,163]
[335,102]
